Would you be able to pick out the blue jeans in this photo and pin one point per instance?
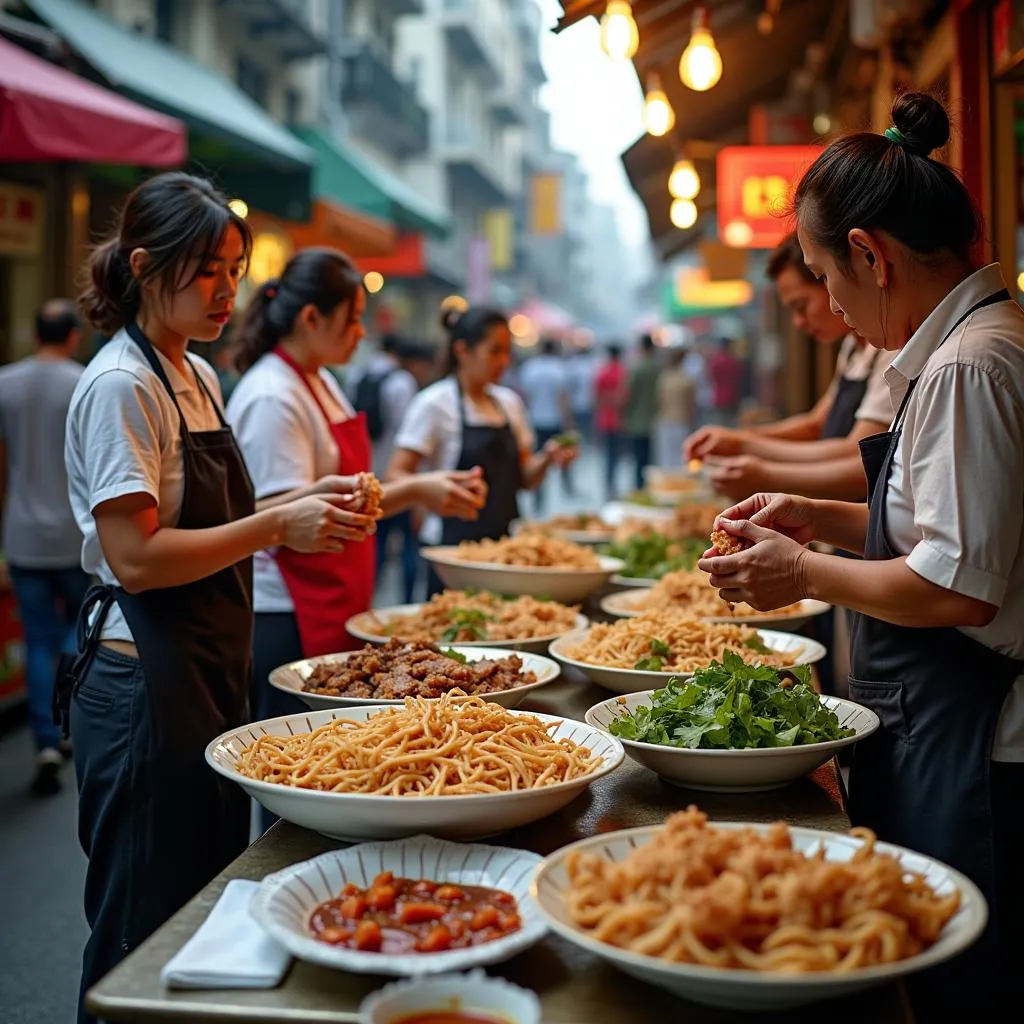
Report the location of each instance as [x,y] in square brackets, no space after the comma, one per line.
[48,603]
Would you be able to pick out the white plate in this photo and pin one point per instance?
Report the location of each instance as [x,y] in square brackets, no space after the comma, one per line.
[759,990]
[631,680]
[733,771]
[286,899]
[622,605]
[290,678]
[570,586]
[633,582]
[588,538]
[362,627]
[356,817]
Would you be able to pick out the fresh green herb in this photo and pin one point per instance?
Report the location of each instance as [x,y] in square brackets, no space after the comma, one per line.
[734,706]
[651,555]
[660,647]
[455,655]
[640,498]
[652,663]
[466,620]
[755,643]
[568,440]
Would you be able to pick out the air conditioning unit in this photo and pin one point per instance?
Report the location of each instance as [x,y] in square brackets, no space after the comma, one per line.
[870,20]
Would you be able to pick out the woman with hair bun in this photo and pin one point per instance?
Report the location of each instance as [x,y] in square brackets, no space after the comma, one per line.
[299,434]
[467,421]
[937,646]
[163,499]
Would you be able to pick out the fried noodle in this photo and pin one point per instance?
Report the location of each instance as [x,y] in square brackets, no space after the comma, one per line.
[529,549]
[691,592]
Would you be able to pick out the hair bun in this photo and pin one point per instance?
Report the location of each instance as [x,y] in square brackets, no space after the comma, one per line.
[450,317]
[922,121]
[269,288]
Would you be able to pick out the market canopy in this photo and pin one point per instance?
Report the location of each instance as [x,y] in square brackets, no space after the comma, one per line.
[47,113]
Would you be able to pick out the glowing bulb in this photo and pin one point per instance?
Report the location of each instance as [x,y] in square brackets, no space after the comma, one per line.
[684,182]
[1020,282]
[659,117]
[619,35]
[765,23]
[373,281]
[683,213]
[822,124]
[239,207]
[738,234]
[700,66]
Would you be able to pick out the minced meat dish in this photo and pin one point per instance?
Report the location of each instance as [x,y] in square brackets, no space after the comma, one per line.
[398,670]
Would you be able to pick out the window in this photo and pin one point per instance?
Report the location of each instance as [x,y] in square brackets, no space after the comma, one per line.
[292,106]
[252,80]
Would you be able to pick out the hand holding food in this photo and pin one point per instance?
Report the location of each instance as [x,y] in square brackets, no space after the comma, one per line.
[323,523]
[459,494]
[368,495]
[712,441]
[562,450]
[788,514]
[737,476]
[726,544]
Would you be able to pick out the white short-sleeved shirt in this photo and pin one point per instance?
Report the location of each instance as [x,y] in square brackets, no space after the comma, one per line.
[862,362]
[433,429]
[544,380]
[287,444]
[955,501]
[124,437]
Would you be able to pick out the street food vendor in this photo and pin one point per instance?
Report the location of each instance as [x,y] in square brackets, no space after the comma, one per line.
[938,643]
[297,430]
[166,509]
[468,421]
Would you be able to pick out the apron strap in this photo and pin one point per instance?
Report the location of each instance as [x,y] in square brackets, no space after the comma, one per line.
[498,407]
[287,359]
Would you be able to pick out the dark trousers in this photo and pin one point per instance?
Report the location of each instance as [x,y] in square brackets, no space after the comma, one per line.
[155,833]
[612,442]
[402,526]
[641,456]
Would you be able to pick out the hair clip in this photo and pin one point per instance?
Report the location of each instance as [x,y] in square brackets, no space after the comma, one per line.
[271,292]
[893,134]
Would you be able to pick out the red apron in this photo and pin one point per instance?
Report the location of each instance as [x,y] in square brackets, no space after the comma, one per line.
[328,588]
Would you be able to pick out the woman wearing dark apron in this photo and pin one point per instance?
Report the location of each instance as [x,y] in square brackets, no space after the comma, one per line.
[937,644]
[467,421]
[298,432]
[165,505]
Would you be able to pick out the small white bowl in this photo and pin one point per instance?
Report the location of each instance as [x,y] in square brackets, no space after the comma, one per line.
[467,993]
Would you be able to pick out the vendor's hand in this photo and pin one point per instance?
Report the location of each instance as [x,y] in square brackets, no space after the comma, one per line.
[737,476]
[560,454]
[460,494]
[334,484]
[321,523]
[788,514]
[713,441]
[769,575]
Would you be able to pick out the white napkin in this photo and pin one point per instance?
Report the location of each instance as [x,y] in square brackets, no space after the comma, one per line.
[230,949]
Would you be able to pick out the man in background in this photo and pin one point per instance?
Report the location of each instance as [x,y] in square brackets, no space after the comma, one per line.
[544,384]
[677,404]
[41,541]
[609,400]
[642,406]
[725,371]
[582,368]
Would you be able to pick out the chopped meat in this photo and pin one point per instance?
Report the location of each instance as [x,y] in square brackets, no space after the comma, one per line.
[368,494]
[725,544]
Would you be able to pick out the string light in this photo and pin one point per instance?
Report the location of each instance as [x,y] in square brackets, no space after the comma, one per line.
[239,207]
[659,117]
[700,66]
[373,281]
[683,213]
[684,181]
[620,36]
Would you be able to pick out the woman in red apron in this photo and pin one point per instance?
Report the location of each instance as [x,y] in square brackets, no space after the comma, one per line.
[299,435]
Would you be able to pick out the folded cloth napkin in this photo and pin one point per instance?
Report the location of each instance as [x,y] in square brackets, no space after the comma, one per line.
[230,949]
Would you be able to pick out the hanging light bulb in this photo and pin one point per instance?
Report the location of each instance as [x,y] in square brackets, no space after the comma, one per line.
[659,117]
[700,66]
[683,213]
[684,181]
[619,35]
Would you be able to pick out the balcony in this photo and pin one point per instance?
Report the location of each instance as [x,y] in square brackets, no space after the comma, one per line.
[286,25]
[506,105]
[471,164]
[467,32]
[379,105]
[529,23]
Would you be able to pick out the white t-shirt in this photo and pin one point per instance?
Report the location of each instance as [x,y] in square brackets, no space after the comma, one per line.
[581,371]
[955,501]
[287,444]
[433,428]
[545,382]
[124,437]
[396,392]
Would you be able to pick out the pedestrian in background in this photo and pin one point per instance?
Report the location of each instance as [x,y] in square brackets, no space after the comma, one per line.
[725,371]
[609,399]
[581,369]
[544,380]
[41,541]
[677,401]
[642,406]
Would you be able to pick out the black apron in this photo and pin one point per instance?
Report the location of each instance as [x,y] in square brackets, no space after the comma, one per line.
[842,414]
[496,451]
[923,780]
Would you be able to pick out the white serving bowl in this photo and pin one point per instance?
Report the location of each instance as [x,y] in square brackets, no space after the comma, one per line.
[615,513]
[291,678]
[629,680]
[733,771]
[357,817]
[286,899]
[363,627]
[759,990]
[452,993]
[570,586]
[623,605]
[588,538]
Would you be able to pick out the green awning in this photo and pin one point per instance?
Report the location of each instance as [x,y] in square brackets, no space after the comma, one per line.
[354,180]
[164,79]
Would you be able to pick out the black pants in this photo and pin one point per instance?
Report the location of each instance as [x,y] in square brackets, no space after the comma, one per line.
[613,443]
[641,456]
[155,833]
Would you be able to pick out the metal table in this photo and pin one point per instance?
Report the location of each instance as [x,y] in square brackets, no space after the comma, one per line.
[574,986]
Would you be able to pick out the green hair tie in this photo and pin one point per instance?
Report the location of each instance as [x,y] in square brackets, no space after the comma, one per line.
[895,135]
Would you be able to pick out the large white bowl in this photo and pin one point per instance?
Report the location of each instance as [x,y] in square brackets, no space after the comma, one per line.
[630,680]
[759,990]
[356,817]
[363,627]
[733,771]
[286,899]
[623,606]
[290,678]
[570,586]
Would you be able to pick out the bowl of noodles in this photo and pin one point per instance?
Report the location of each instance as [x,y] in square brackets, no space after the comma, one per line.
[457,768]
[689,592]
[719,913]
[640,653]
[526,564]
[577,528]
[471,619]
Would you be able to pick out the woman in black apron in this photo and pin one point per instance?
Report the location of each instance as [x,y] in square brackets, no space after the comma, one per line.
[944,774]
[467,421]
[166,508]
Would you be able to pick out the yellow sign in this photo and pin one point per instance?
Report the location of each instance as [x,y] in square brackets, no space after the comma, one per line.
[21,220]
[499,230]
[764,197]
[545,206]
